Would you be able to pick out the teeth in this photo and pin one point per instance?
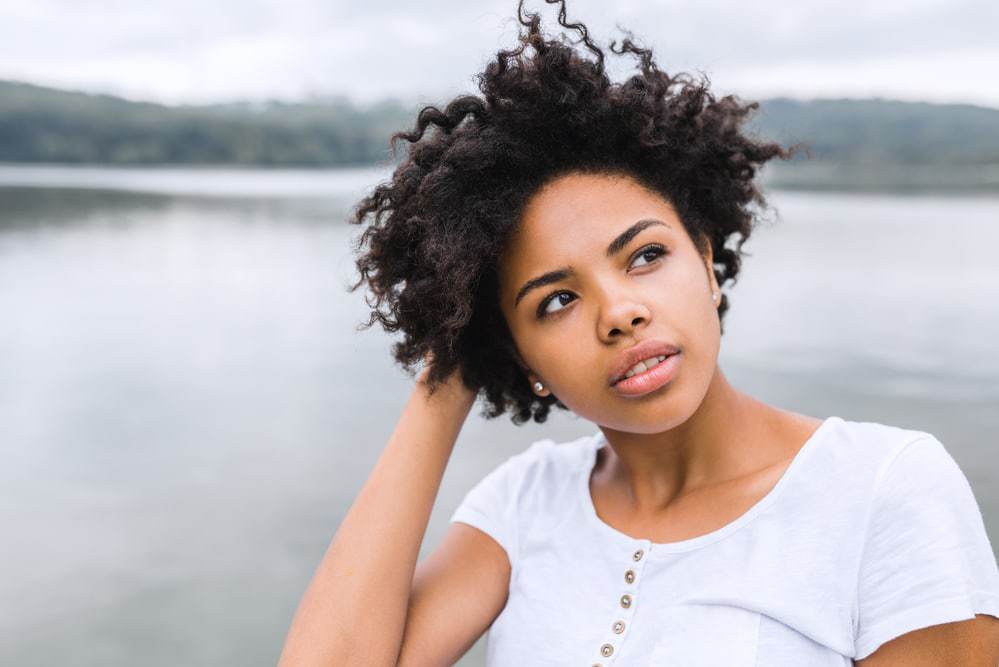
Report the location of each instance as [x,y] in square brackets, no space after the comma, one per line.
[645,365]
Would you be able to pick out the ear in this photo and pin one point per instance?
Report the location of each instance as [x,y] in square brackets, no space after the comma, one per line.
[707,254]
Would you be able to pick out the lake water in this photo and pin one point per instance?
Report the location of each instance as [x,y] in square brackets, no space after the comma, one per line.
[188,410]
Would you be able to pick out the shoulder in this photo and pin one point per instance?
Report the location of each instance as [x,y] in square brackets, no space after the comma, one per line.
[925,556]
[535,473]
[890,509]
[544,479]
[898,462]
[526,490]
[543,455]
[888,473]
[873,442]
[918,486]
[547,465]
[853,456]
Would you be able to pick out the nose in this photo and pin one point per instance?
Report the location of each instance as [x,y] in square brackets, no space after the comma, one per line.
[622,316]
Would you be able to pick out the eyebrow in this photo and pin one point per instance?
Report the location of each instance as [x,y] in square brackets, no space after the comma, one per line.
[565,272]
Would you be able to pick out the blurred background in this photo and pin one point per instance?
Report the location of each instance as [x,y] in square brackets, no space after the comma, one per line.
[187,409]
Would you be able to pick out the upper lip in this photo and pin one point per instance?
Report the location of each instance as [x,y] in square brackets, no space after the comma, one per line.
[652,347]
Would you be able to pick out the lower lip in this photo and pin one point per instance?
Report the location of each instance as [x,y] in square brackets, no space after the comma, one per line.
[650,380]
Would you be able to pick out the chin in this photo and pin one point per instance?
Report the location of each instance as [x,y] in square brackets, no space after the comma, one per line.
[630,416]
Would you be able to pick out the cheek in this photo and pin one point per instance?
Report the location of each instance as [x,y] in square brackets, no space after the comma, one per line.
[561,357]
[568,365]
[547,350]
[705,335]
[521,344]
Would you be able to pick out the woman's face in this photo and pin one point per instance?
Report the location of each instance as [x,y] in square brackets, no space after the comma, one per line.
[571,329]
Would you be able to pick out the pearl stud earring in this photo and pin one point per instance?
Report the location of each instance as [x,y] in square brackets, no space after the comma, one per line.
[538,386]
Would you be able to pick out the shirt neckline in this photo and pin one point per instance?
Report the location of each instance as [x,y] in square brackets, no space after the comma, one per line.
[589,509]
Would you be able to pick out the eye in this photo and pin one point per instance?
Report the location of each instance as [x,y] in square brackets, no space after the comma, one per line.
[655,250]
[543,311]
[649,253]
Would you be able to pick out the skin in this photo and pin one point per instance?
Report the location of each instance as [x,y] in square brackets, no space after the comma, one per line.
[696,454]
[671,449]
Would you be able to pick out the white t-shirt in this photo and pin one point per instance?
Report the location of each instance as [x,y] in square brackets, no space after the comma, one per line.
[871,532]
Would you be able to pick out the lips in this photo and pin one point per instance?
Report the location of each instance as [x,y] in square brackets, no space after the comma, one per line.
[652,347]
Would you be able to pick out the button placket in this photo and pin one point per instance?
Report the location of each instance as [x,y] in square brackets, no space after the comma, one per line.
[630,578]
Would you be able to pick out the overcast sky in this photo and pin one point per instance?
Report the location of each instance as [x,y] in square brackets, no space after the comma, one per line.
[192,51]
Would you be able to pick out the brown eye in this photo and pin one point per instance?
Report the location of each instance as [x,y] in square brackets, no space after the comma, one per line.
[655,251]
[649,253]
[543,306]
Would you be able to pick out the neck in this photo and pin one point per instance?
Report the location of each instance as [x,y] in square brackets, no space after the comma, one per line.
[729,435]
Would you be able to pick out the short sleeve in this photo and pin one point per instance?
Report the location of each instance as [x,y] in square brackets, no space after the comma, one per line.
[926,559]
[491,505]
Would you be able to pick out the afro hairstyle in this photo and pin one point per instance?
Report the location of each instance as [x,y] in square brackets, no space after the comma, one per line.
[437,228]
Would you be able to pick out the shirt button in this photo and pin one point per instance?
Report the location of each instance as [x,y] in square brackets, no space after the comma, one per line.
[638,554]
[619,627]
[629,576]
[625,600]
[606,650]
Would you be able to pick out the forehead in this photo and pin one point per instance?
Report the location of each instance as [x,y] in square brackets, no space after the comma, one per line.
[577,215]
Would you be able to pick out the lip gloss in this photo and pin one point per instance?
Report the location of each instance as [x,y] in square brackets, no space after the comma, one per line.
[651,379]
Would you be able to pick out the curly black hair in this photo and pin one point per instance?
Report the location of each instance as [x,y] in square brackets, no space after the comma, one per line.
[442,221]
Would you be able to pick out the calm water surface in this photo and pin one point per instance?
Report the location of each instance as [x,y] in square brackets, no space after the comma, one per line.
[188,409]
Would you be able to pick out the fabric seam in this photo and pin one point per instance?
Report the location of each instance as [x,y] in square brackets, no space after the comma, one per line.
[970,597]
[882,473]
[483,517]
[572,506]
[518,538]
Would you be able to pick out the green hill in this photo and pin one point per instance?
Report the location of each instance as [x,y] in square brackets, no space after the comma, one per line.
[853,142]
[878,144]
[47,125]
[885,131]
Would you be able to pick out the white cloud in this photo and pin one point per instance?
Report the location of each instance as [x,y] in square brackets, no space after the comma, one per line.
[187,51]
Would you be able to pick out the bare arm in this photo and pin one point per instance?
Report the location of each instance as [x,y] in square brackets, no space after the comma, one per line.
[354,609]
[971,643]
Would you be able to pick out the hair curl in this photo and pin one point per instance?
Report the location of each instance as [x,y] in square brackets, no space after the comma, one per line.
[441,223]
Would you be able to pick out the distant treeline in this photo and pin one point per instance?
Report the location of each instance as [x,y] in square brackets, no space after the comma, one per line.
[39,124]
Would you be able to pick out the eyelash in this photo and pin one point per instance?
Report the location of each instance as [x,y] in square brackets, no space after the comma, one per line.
[660,252]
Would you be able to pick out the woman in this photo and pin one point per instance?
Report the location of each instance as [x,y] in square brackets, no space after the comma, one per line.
[563,240]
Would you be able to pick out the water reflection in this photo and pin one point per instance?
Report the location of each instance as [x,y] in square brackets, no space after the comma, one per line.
[188,408]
